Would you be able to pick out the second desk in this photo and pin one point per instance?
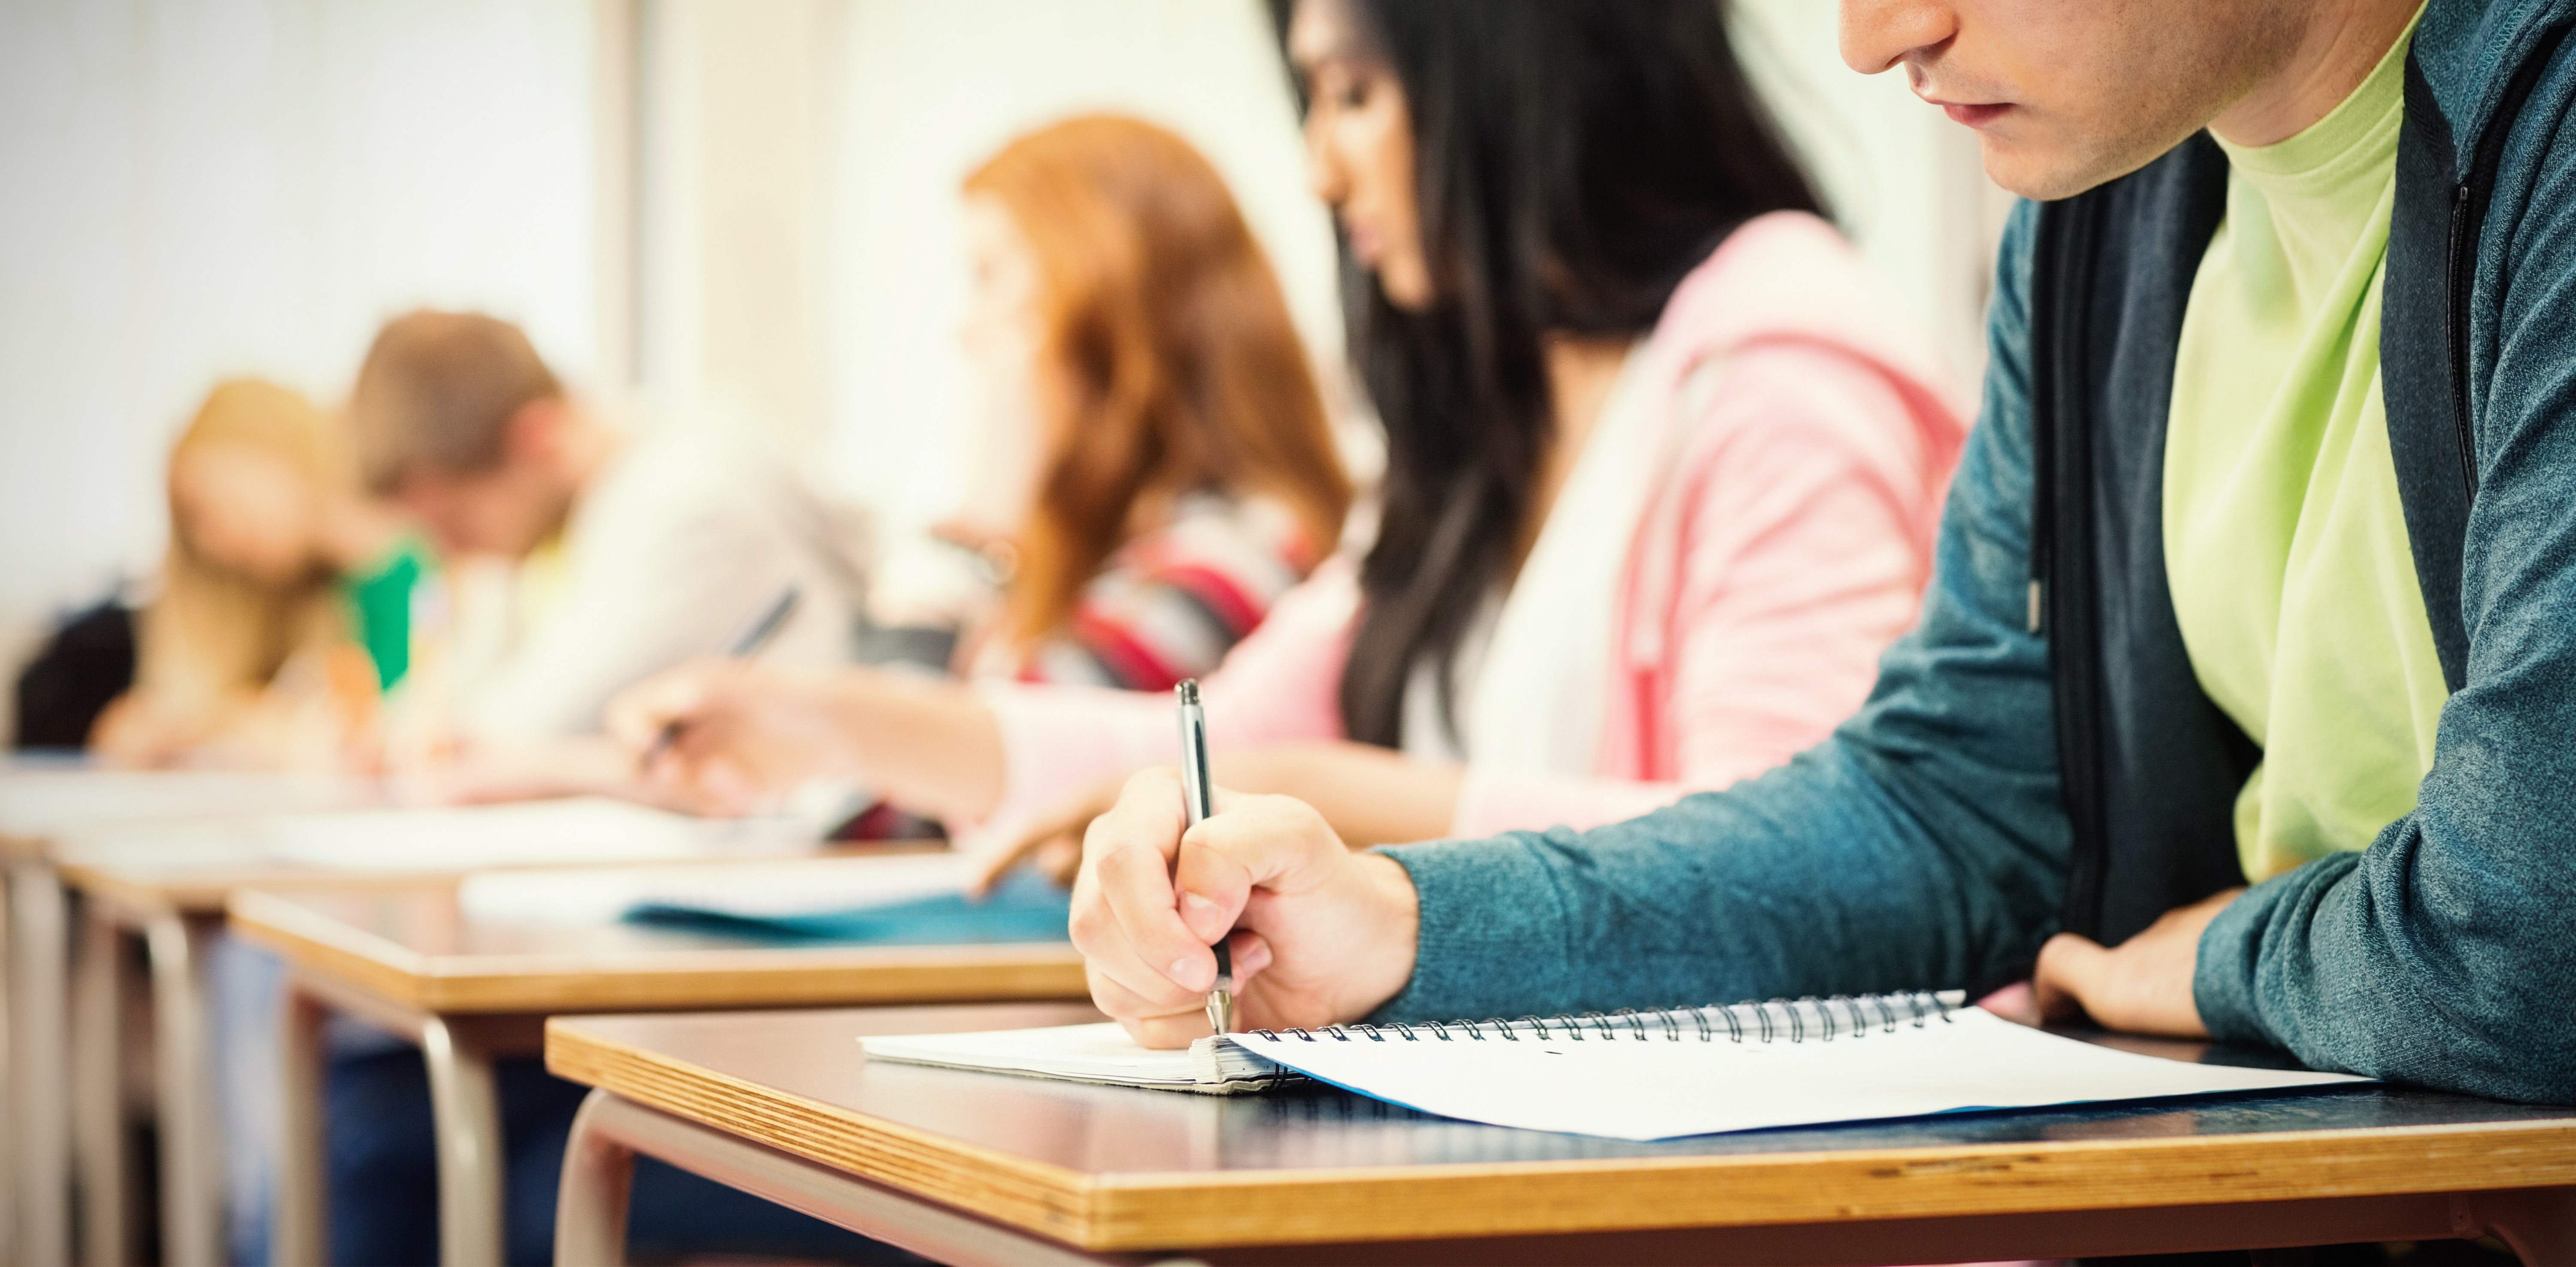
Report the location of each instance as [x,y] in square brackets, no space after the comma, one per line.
[411,959]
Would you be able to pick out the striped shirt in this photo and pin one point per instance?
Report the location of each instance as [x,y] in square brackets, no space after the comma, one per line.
[1169,605]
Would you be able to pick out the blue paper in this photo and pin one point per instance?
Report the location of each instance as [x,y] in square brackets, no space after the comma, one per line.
[1024,907]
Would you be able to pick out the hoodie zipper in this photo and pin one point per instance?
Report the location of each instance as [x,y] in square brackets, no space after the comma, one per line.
[2469,201]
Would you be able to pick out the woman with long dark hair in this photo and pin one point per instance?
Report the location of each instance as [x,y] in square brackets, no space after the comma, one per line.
[1662,467]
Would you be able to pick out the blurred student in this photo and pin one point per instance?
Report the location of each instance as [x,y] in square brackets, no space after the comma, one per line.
[1158,466]
[283,606]
[1663,467]
[636,547]
[1157,469]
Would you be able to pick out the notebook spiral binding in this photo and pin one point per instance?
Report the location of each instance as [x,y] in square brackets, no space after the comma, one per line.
[1765,1021]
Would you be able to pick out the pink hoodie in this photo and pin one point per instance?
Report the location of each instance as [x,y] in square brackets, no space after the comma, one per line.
[1778,556]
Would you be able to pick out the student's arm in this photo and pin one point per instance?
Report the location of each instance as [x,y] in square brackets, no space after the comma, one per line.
[2444,953]
[667,565]
[747,731]
[995,754]
[1923,845]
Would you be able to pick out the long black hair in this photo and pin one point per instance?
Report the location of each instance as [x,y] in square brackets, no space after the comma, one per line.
[1574,159]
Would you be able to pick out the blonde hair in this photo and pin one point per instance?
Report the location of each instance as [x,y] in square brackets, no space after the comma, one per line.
[212,632]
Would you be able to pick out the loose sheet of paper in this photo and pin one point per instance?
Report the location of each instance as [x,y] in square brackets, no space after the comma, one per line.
[752,890]
[1655,1088]
[1084,1053]
[34,803]
[533,833]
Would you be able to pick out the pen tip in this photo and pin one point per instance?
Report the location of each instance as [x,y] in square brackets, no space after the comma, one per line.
[1188,690]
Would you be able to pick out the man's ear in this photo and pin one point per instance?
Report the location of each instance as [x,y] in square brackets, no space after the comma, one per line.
[534,434]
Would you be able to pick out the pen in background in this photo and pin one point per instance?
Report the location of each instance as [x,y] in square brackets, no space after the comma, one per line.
[744,645]
[1198,792]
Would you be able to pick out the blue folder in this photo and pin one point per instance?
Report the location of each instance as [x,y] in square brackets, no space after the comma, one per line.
[1024,907]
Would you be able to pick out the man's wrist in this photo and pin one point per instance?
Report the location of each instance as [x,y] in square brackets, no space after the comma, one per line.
[1398,933]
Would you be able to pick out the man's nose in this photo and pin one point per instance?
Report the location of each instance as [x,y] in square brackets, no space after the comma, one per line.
[1877,34]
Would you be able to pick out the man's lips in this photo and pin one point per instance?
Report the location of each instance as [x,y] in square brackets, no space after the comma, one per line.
[1974,115]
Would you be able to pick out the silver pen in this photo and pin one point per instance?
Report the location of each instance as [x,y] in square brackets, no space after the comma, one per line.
[1198,796]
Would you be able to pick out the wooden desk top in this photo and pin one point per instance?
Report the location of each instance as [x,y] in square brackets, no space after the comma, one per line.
[1110,1168]
[411,945]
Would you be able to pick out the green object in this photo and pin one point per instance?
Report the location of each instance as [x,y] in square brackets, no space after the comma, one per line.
[2285,539]
[379,600]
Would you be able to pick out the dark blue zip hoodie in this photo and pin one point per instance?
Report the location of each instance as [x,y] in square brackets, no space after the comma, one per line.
[2036,754]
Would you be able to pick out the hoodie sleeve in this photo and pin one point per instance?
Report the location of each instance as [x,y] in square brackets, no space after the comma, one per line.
[1922,845]
[2442,953]
[1799,563]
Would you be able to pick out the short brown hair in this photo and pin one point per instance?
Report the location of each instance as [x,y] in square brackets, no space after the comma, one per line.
[437,392]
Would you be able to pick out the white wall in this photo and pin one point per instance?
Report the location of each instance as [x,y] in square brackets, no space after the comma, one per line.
[198,188]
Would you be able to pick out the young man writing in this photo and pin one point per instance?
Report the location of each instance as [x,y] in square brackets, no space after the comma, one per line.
[2260,568]
[637,548]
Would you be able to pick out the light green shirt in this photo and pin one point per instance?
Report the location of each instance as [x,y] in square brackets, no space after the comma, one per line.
[2285,540]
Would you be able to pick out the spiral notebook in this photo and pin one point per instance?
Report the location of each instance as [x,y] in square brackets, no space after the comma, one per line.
[1641,1075]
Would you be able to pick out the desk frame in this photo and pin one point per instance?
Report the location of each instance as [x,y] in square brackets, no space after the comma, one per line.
[39,1128]
[465,1020]
[590,1219]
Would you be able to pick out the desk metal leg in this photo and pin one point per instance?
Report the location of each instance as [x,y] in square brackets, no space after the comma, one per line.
[98,1091]
[590,1204]
[8,1083]
[2539,1223]
[298,1234]
[37,1016]
[590,1215]
[467,1112]
[191,1189]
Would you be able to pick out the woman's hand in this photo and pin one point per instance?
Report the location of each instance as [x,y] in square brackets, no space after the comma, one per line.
[741,734]
[1319,934]
[1052,841]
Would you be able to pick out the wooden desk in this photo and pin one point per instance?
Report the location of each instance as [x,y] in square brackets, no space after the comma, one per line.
[164,882]
[409,959]
[986,1168]
[46,807]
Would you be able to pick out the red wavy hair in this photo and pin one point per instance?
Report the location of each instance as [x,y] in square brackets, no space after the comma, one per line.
[1166,340]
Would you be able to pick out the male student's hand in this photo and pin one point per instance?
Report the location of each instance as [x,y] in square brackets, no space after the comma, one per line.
[2141,987]
[742,733]
[1320,934]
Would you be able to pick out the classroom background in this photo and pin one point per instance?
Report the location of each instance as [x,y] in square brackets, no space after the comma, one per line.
[748,207]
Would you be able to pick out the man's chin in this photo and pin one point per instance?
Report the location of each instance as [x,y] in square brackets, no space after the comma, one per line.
[2045,172]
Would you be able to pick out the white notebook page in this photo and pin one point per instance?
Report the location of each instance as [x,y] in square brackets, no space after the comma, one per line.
[1657,1088]
[1087,1053]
